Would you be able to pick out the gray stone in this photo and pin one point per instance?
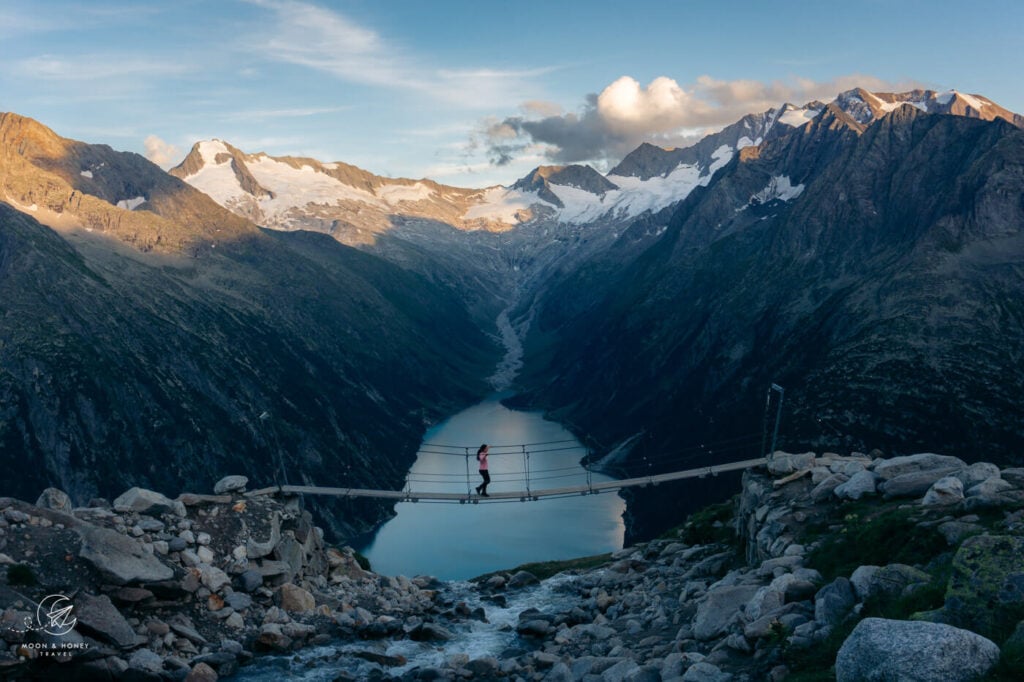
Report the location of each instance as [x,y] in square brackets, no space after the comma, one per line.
[945,491]
[188,632]
[834,602]
[212,577]
[705,672]
[143,501]
[897,466]
[177,544]
[1014,476]
[619,671]
[146,661]
[978,472]
[782,463]
[827,486]
[250,580]
[119,559]
[272,637]
[956,532]
[485,667]
[522,579]
[913,483]
[859,485]
[720,609]
[230,484]
[238,601]
[861,579]
[430,632]
[99,618]
[54,499]
[989,488]
[880,649]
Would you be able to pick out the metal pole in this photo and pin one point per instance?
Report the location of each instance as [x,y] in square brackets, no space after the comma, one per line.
[778,414]
[468,484]
[526,464]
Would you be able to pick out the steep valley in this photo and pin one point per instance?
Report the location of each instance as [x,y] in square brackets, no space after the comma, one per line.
[865,254]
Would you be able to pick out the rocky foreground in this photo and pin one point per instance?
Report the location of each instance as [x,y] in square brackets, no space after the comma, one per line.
[822,567]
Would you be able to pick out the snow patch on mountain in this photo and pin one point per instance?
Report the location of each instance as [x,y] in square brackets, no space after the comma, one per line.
[87,174]
[396,194]
[131,204]
[779,187]
[798,117]
[506,205]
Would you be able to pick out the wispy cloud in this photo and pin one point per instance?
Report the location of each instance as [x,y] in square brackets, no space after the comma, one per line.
[615,121]
[257,115]
[97,67]
[327,41]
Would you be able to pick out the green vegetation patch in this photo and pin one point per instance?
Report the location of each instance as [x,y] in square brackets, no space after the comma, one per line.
[546,569]
[711,525]
[873,534]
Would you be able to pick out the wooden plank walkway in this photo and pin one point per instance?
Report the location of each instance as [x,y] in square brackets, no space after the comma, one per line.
[521,495]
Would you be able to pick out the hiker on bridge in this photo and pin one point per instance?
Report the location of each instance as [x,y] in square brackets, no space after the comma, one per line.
[481,457]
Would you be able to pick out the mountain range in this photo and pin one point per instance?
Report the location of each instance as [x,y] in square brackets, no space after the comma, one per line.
[864,253]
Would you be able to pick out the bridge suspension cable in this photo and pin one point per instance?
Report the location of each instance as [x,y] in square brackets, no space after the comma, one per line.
[442,486]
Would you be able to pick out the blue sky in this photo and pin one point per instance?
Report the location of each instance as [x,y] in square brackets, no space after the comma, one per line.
[473,93]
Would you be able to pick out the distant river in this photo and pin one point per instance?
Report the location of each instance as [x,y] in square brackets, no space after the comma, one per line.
[457,541]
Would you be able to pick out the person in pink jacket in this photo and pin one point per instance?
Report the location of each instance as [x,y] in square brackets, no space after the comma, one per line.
[481,457]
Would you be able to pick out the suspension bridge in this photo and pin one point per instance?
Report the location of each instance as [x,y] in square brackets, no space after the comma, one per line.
[523,472]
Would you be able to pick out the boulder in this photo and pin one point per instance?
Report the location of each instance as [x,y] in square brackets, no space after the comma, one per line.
[271,637]
[1014,476]
[118,558]
[295,599]
[230,484]
[720,609]
[783,463]
[887,469]
[430,632]
[892,581]
[989,488]
[99,618]
[212,577]
[913,483]
[834,602]
[705,672]
[202,672]
[54,499]
[978,472]
[827,486]
[522,579]
[880,649]
[985,592]
[144,502]
[946,490]
[860,484]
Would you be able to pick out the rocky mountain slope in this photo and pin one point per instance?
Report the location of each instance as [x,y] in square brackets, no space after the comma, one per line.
[873,272]
[161,349]
[820,567]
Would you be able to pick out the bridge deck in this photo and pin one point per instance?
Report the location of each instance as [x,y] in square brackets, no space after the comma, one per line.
[584,489]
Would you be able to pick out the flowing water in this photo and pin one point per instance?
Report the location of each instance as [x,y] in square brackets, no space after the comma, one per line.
[472,638]
[455,541]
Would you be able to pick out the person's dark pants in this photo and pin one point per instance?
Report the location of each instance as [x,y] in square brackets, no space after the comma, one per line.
[482,488]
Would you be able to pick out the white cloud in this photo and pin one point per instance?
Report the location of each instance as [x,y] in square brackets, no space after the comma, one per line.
[614,122]
[159,152]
